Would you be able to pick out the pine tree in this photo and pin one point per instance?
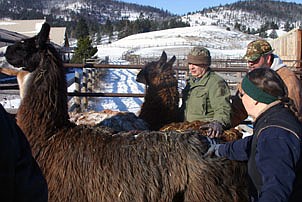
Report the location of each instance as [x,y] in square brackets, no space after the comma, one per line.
[84,50]
[108,28]
[287,26]
[81,29]
[273,34]
[263,34]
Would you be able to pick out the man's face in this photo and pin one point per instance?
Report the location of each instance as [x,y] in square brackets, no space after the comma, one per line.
[262,61]
[197,70]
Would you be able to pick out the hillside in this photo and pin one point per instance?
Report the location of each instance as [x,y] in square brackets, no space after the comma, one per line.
[68,10]
[178,41]
[251,16]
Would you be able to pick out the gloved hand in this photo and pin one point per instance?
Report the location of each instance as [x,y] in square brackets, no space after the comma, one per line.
[212,151]
[214,129]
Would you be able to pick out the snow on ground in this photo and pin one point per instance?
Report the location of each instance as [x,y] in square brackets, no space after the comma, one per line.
[119,81]
[10,101]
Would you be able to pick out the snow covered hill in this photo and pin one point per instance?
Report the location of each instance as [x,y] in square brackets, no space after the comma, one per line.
[178,41]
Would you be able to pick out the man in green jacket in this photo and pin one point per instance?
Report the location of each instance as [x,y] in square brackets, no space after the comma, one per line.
[206,96]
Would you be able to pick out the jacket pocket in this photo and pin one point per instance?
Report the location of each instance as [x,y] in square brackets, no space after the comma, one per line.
[199,102]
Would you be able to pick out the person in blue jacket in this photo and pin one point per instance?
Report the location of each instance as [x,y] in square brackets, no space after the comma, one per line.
[273,152]
[21,179]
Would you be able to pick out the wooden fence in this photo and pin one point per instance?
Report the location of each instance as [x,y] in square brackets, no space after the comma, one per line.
[289,47]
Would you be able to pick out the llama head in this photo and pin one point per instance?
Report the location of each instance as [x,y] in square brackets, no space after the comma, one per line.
[150,73]
[26,53]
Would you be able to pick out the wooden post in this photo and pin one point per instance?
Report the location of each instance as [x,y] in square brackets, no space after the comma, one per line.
[77,100]
[177,71]
[89,80]
[93,78]
[84,88]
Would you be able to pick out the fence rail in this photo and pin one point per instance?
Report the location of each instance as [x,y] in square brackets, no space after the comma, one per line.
[232,70]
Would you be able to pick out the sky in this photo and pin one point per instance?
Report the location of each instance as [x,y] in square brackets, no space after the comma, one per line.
[184,6]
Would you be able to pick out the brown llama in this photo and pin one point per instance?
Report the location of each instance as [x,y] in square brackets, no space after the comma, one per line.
[85,163]
[161,100]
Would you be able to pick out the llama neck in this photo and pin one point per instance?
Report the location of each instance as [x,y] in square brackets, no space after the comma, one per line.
[44,106]
[164,98]
[160,107]
[164,91]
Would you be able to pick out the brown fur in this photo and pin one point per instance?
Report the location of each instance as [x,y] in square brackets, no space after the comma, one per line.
[161,101]
[91,164]
[228,135]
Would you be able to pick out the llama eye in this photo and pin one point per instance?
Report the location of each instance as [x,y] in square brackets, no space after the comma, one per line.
[22,41]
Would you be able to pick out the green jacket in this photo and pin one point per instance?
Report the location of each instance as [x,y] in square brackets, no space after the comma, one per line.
[207,99]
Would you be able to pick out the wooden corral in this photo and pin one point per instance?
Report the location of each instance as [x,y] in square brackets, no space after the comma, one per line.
[231,70]
[289,48]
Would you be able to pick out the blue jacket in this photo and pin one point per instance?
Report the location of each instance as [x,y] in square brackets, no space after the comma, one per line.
[21,179]
[275,166]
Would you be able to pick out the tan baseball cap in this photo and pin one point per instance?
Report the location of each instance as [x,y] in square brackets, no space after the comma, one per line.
[256,49]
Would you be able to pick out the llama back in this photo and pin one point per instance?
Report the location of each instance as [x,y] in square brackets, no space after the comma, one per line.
[135,166]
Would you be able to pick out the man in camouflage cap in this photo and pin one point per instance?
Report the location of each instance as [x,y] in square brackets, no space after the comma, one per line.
[256,49]
[206,96]
[260,54]
[199,55]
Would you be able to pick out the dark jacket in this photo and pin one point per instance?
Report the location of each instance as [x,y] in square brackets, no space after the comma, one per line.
[21,179]
[274,156]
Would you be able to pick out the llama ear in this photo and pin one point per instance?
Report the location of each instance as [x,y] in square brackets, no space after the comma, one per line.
[172,60]
[163,58]
[43,35]
[167,66]
[141,77]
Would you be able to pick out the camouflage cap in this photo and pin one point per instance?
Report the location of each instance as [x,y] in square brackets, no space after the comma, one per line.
[257,48]
[199,56]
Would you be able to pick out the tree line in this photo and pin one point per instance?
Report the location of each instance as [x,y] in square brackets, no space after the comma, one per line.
[124,28]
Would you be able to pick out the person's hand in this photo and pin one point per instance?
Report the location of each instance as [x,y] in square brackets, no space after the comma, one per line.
[213,129]
[212,151]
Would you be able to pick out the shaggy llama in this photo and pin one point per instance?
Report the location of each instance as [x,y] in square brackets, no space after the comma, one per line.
[85,163]
[161,100]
